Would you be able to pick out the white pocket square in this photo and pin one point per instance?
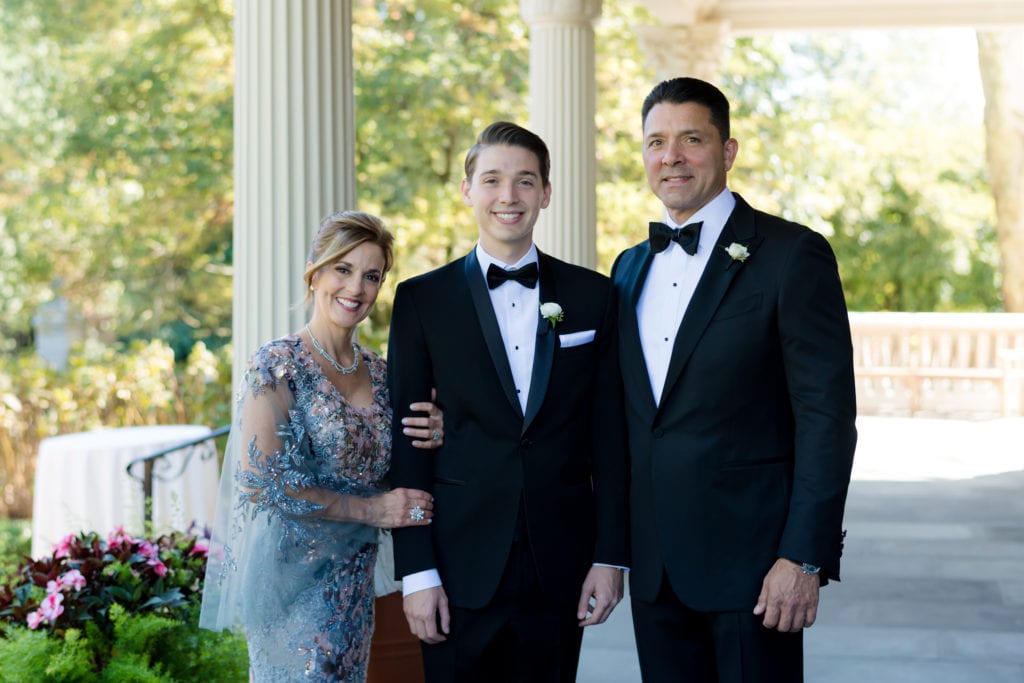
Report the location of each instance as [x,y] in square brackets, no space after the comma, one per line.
[576,338]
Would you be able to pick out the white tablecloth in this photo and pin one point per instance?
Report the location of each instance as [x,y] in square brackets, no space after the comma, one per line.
[81,483]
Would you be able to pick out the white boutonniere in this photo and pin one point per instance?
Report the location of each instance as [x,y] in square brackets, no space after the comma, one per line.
[552,312]
[737,251]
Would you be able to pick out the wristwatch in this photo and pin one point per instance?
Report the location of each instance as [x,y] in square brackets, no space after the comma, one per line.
[809,569]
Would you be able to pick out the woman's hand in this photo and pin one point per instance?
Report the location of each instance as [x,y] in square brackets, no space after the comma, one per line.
[398,508]
[427,432]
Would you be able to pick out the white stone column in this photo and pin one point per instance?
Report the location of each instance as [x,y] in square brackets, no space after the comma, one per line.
[562,104]
[294,154]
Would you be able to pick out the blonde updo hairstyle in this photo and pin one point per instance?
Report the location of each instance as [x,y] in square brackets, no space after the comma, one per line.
[342,232]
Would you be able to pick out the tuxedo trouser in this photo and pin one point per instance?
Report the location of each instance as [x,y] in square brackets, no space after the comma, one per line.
[521,636]
[677,644]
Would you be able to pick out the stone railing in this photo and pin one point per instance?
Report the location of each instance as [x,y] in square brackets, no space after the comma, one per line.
[941,364]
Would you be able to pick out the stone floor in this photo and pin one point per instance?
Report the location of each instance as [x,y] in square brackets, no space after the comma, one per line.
[933,571]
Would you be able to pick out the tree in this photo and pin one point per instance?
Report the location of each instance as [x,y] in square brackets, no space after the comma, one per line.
[896,253]
[117,178]
[831,136]
[1001,59]
[429,77]
[116,159]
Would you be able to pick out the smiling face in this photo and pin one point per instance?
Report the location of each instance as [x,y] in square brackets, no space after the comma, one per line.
[684,156]
[507,194]
[344,291]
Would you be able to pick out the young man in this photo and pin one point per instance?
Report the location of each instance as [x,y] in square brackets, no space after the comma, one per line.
[737,367]
[529,531]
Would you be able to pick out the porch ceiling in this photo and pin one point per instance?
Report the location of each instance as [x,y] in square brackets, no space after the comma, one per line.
[754,16]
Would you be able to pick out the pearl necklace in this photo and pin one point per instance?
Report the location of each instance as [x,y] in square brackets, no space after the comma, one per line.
[330,359]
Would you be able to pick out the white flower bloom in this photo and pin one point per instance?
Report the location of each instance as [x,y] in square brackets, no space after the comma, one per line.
[737,251]
[552,311]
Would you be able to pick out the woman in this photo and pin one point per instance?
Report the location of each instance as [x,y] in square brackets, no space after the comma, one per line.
[303,493]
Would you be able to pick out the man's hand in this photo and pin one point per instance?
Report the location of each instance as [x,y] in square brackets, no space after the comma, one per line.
[789,598]
[423,609]
[602,591]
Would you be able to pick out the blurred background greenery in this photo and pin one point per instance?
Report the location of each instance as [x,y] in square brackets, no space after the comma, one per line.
[116,179]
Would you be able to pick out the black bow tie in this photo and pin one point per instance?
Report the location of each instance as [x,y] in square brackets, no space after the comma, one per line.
[526,276]
[687,237]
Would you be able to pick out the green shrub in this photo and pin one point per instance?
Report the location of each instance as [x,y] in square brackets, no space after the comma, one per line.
[145,647]
[114,609]
[15,545]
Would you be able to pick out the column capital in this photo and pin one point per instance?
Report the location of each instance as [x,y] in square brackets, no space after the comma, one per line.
[536,12]
[685,50]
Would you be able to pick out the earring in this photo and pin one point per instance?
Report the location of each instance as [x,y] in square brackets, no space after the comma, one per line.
[311,288]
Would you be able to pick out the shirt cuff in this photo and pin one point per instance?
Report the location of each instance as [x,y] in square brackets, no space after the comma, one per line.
[613,566]
[420,581]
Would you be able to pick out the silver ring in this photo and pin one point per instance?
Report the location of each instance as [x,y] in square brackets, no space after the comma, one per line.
[416,514]
[435,435]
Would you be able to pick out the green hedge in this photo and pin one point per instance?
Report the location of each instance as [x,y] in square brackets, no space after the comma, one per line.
[118,608]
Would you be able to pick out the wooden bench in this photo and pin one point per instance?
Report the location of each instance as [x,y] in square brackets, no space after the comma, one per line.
[939,363]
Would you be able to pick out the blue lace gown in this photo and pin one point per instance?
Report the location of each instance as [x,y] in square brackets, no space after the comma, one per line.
[300,586]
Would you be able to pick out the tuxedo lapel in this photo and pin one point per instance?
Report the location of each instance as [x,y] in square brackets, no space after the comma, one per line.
[714,283]
[489,327]
[544,350]
[631,359]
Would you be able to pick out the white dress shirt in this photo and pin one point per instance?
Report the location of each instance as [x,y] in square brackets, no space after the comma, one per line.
[516,308]
[669,287]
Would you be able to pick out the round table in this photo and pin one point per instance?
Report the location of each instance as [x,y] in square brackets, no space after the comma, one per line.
[81,483]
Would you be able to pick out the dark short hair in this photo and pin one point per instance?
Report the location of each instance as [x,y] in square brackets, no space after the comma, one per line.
[505,133]
[684,89]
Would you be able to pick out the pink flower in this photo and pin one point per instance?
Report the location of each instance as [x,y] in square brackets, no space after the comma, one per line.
[118,536]
[63,548]
[200,548]
[34,619]
[52,607]
[53,587]
[72,579]
[149,551]
[159,567]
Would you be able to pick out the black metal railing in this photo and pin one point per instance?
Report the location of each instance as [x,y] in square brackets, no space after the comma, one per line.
[159,466]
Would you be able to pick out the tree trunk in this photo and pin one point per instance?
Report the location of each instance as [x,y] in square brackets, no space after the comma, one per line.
[1001,60]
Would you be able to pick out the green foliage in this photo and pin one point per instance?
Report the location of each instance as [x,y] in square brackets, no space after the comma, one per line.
[103,387]
[15,545]
[115,179]
[625,204]
[429,77]
[145,647]
[116,147]
[117,609]
[86,575]
[924,276]
[827,138]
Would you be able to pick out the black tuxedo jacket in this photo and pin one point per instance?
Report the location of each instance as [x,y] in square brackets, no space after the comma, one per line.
[748,456]
[564,460]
